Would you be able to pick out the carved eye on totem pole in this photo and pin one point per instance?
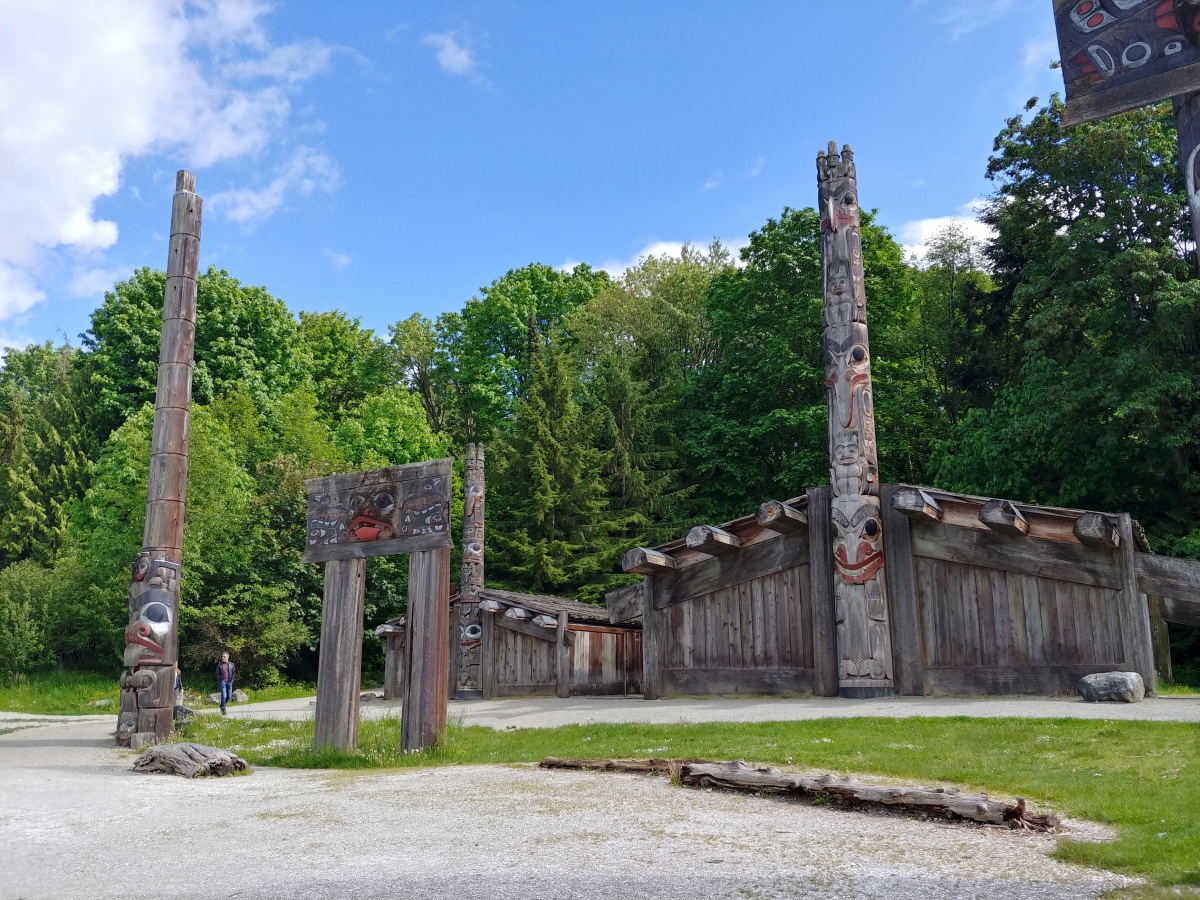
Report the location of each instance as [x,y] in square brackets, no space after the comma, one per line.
[151,619]
[470,634]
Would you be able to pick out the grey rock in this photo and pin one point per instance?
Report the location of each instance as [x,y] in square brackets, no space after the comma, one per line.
[368,696]
[183,714]
[241,697]
[143,739]
[214,697]
[102,704]
[1112,687]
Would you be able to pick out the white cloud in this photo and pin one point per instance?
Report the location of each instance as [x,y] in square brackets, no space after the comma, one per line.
[713,181]
[672,249]
[452,56]
[963,18]
[915,234]
[757,168]
[305,172]
[339,261]
[96,280]
[85,87]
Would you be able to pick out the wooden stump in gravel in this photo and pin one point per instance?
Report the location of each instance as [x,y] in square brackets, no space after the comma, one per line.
[188,760]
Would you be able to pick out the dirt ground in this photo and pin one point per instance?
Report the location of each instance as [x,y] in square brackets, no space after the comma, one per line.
[75,821]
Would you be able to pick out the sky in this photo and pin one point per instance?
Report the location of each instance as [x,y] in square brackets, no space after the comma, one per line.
[391,158]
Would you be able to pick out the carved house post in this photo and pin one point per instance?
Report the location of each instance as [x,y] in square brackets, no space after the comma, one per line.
[860,595]
[469,627]
[152,635]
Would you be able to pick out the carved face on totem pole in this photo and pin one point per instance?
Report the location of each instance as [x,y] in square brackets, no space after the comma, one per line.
[372,513]
[424,511]
[327,523]
[848,374]
[152,637]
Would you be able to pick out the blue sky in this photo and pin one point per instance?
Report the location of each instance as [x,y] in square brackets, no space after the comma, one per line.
[391,158]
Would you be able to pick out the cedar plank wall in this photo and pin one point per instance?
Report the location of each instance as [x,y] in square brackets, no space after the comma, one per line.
[602,661]
[993,620]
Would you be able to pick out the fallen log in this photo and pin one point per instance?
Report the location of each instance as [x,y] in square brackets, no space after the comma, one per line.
[737,776]
[188,760]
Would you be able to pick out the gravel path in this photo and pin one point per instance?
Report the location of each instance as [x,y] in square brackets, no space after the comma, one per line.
[76,822]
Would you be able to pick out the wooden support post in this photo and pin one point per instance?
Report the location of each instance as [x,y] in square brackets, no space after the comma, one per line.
[427,668]
[487,654]
[820,561]
[1162,641]
[907,655]
[339,664]
[562,659]
[1135,613]
[781,518]
[651,664]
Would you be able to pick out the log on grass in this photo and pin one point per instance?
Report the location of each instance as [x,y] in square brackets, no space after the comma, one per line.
[188,760]
[737,776]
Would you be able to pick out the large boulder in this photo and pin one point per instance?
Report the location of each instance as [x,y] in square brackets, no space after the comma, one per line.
[1112,687]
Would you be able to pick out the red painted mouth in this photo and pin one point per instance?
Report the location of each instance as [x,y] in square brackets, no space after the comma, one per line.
[365,528]
[860,570]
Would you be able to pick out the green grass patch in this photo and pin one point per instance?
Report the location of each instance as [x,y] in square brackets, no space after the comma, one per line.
[60,693]
[1177,690]
[284,690]
[1143,778]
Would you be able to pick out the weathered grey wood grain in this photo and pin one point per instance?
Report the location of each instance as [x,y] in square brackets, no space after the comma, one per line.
[907,652]
[1096,530]
[1167,576]
[963,681]
[644,561]
[1181,612]
[1028,556]
[427,664]
[624,604]
[781,518]
[537,632]
[719,572]
[911,502]
[1135,614]
[824,623]
[740,680]
[339,661]
[650,645]
[1004,517]
[712,540]
[487,654]
[336,484]
[1125,97]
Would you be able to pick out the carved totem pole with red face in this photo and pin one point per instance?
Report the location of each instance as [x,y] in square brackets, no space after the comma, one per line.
[470,626]
[863,636]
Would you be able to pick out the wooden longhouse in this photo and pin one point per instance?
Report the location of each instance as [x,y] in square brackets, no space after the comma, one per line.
[534,645]
[986,597]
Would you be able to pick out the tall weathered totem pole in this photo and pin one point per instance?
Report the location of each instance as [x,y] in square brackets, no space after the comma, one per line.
[860,597]
[470,629]
[152,635]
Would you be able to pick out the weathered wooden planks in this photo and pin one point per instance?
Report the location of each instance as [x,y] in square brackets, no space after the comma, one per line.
[624,604]
[1166,576]
[1135,614]
[752,562]
[427,662]
[339,663]
[908,666]
[781,518]
[1053,559]
[824,622]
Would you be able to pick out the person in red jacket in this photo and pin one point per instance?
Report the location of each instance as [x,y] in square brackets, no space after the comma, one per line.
[225,673]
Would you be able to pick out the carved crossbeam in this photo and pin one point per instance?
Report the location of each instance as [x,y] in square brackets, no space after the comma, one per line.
[491,605]
[517,612]
[781,518]
[916,504]
[545,621]
[534,631]
[1097,530]
[644,561]
[713,540]
[1002,516]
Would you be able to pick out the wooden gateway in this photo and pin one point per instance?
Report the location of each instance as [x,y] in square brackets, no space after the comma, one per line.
[975,595]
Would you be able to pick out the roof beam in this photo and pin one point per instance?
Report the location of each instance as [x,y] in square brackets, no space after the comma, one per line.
[1097,530]
[781,518]
[916,504]
[713,540]
[1002,516]
[644,561]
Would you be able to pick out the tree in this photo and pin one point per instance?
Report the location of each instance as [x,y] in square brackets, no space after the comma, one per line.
[345,361]
[1086,384]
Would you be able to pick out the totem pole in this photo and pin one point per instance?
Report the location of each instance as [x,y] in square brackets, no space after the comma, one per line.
[152,635]
[470,628]
[860,598]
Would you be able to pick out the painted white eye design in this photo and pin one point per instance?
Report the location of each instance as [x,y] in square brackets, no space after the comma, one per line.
[472,632]
[1136,54]
[157,616]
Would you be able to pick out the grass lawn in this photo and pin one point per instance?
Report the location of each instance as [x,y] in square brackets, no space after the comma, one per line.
[66,693]
[1141,777]
[60,693]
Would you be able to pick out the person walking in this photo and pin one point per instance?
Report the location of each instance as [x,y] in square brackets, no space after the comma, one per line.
[225,673]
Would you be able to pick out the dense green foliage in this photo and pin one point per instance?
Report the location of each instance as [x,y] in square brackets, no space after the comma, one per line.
[1143,778]
[1055,363]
